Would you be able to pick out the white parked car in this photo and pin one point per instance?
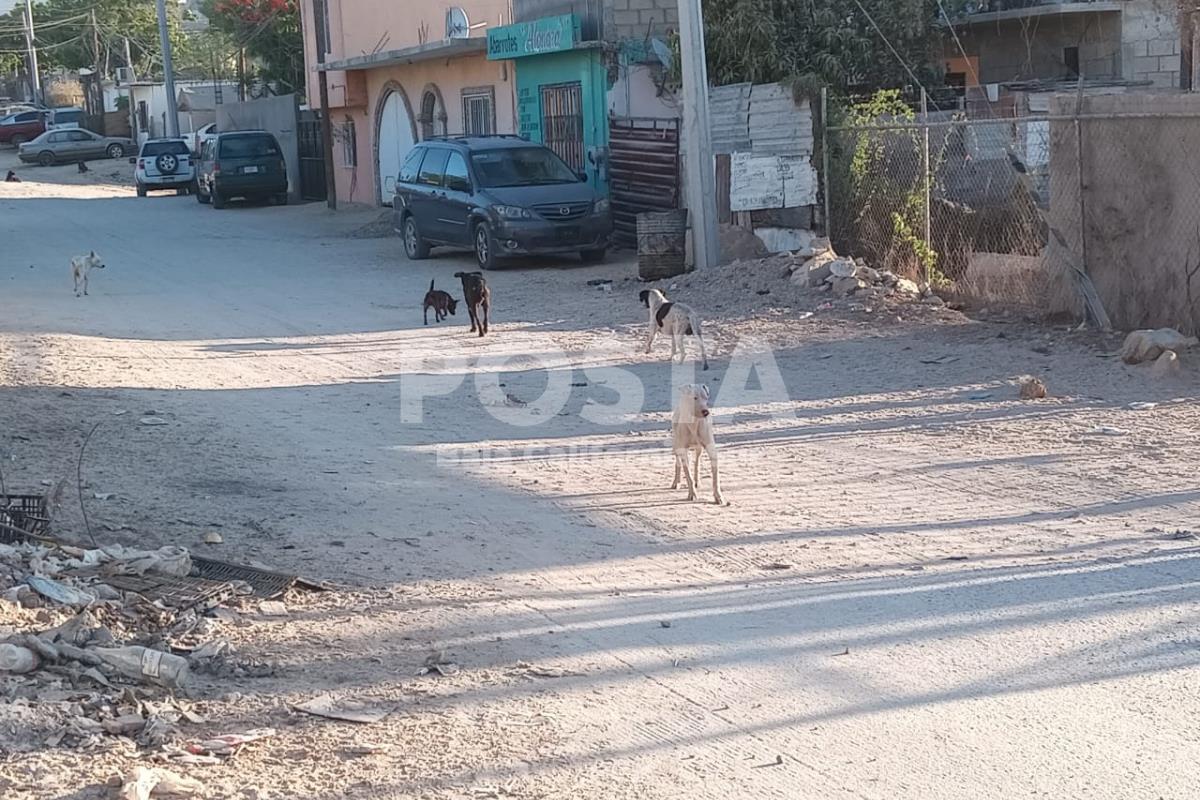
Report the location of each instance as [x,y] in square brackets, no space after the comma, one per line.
[164,164]
[198,137]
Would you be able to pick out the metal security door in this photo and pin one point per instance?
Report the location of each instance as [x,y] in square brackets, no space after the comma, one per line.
[312,157]
[562,122]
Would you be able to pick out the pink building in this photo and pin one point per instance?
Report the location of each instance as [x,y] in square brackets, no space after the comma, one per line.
[400,72]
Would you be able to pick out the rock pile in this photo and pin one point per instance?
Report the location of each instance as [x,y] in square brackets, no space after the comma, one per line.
[819,267]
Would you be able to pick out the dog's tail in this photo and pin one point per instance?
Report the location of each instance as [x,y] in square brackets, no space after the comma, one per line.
[431,284]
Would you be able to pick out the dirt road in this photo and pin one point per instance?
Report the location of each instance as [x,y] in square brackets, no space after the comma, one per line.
[923,586]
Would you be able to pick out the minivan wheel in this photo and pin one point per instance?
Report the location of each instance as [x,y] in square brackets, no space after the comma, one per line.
[414,246]
[46,158]
[115,151]
[485,246]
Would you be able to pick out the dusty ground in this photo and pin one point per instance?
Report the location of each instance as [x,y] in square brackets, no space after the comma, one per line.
[923,586]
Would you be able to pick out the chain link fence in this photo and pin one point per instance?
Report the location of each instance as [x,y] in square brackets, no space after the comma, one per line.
[938,196]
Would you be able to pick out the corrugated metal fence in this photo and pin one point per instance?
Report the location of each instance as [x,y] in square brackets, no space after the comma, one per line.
[643,171]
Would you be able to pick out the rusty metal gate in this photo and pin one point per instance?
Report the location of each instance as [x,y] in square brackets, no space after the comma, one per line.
[562,122]
[312,159]
[643,171]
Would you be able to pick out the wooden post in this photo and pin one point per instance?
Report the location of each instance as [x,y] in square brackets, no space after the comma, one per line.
[701,177]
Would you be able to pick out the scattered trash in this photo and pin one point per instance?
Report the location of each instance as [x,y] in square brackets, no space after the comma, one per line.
[212,537]
[1032,388]
[153,421]
[102,495]
[946,359]
[144,663]
[777,762]
[144,783]
[804,315]
[17,660]
[229,743]
[59,592]
[1107,430]
[1141,406]
[666,623]
[844,652]
[348,710]
[776,565]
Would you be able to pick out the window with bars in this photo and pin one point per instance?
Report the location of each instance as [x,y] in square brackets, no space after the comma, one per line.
[349,144]
[479,113]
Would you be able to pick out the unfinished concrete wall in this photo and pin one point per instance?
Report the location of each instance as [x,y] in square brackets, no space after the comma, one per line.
[277,115]
[1015,49]
[1150,42]
[1137,229]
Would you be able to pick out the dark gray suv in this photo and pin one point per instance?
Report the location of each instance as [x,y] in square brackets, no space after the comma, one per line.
[500,196]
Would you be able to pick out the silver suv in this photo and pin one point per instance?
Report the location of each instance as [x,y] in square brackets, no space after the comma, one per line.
[164,164]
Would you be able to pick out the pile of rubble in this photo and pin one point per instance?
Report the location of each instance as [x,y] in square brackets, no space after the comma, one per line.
[819,267]
[101,644]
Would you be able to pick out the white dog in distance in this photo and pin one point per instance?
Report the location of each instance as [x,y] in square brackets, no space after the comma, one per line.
[691,432]
[81,266]
[673,319]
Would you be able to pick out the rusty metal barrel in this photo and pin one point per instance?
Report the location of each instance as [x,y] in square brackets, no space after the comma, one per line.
[662,244]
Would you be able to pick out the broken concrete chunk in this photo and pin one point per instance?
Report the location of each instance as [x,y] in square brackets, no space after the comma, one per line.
[1149,345]
[842,268]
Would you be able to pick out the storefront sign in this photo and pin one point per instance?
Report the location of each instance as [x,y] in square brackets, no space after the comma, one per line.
[545,35]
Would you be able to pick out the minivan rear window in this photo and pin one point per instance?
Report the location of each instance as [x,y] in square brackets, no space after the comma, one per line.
[153,149]
[249,147]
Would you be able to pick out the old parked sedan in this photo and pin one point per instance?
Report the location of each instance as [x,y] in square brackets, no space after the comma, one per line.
[73,144]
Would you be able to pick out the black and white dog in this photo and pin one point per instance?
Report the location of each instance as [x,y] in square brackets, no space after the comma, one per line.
[672,319]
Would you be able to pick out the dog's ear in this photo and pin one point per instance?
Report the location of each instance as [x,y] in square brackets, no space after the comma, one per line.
[92,254]
[644,296]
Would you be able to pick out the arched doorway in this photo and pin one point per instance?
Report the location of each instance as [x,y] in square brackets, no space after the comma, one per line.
[395,136]
[433,113]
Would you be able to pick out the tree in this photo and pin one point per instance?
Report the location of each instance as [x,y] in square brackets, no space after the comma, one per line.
[269,31]
[835,43]
[65,34]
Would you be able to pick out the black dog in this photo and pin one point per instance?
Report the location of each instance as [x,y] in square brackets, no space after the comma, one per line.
[11,177]
[478,298]
[83,167]
[441,303]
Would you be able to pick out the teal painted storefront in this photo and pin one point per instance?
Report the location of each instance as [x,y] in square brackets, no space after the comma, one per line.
[554,72]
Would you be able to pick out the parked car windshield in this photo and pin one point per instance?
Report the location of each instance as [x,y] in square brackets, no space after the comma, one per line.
[521,166]
[158,148]
[248,147]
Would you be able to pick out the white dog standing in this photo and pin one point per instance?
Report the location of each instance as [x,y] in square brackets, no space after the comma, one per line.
[691,432]
[81,266]
[673,319]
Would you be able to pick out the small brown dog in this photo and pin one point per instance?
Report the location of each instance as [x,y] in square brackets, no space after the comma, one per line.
[441,303]
[478,298]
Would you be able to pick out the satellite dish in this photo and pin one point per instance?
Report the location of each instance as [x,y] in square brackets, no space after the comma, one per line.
[458,25]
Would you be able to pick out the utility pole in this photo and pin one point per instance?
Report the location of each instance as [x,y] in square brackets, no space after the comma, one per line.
[168,71]
[133,128]
[326,121]
[701,182]
[35,75]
